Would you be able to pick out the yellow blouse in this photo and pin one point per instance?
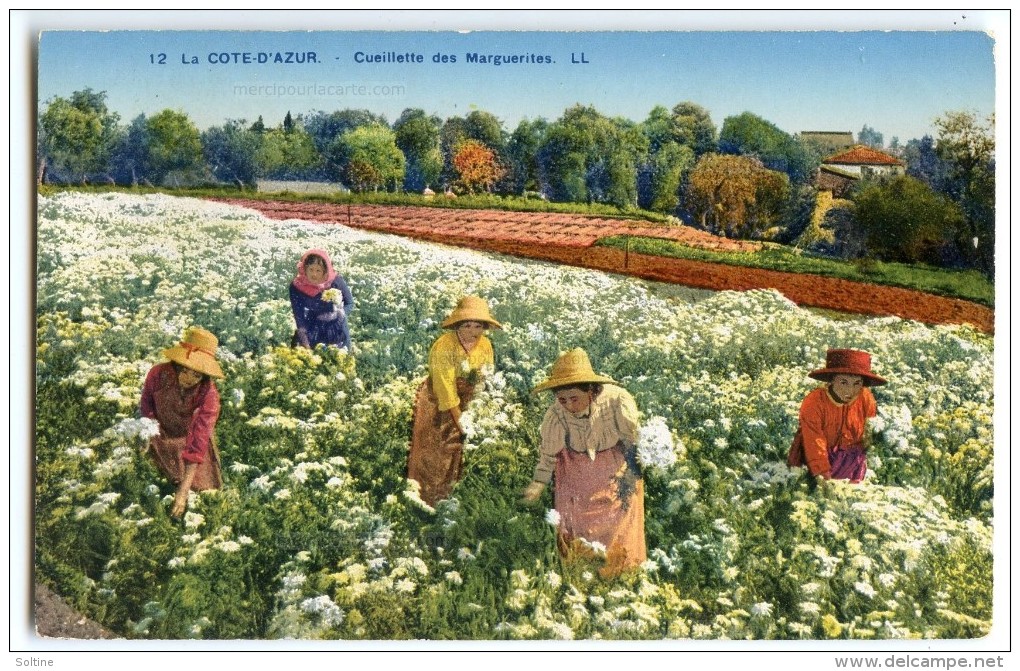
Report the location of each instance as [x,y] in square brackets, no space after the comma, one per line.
[611,418]
[448,361]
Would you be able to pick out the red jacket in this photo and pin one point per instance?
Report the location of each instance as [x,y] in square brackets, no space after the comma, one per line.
[190,413]
[825,423]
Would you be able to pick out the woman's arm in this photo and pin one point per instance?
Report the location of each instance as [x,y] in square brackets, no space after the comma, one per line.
[297,306]
[816,446]
[345,291]
[147,407]
[203,423]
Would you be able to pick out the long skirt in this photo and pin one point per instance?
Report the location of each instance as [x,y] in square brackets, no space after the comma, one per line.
[601,501]
[848,463]
[166,453]
[435,458]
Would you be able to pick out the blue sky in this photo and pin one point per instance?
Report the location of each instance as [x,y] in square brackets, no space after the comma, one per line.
[895,81]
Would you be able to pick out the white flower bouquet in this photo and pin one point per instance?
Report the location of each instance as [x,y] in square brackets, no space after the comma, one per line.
[655,448]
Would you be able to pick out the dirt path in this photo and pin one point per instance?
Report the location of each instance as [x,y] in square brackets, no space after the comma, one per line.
[54,618]
[569,239]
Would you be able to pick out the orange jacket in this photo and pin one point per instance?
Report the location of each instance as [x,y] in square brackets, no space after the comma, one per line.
[825,423]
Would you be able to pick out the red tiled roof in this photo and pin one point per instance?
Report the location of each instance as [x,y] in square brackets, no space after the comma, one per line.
[863,155]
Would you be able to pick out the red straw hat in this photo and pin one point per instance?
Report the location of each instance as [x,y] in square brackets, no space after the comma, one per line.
[847,362]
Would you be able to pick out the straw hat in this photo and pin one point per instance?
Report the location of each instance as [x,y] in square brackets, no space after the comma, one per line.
[197,351]
[847,362]
[471,309]
[572,368]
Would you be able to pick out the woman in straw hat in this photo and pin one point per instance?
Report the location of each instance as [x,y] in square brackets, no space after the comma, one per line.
[457,362]
[320,320]
[182,397]
[833,417]
[588,444]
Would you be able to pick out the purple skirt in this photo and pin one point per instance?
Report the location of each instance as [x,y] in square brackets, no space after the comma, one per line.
[848,463]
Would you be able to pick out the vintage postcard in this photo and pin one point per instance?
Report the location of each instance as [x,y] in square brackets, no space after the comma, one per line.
[673,333]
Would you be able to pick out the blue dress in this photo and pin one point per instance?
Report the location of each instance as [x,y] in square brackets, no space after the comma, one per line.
[319,321]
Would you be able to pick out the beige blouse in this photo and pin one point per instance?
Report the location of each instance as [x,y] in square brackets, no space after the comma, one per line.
[612,417]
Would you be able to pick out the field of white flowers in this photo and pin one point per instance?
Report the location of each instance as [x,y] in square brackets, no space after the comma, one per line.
[313,534]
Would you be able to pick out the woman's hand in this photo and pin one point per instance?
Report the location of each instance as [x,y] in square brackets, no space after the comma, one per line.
[532,492]
[455,415]
[181,497]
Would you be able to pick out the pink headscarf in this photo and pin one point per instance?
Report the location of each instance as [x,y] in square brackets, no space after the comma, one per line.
[306,286]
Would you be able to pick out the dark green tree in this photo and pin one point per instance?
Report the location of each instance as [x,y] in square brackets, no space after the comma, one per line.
[326,127]
[750,135]
[692,127]
[966,144]
[130,155]
[77,135]
[587,157]
[417,136]
[902,219]
[234,153]
[521,155]
[175,145]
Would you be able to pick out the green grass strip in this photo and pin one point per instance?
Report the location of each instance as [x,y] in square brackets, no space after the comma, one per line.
[968,285]
[465,202]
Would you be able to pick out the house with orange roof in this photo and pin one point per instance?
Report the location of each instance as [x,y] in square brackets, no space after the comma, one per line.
[841,171]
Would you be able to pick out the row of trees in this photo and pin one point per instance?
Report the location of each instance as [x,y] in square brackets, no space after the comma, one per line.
[748,178]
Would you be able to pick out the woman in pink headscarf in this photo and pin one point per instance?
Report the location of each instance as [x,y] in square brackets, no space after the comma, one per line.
[321,301]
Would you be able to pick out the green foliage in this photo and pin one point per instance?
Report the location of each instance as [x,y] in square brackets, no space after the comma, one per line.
[968,285]
[78,134]
[904,220]
[750,135]
[367,158]
[587,157]
[174,145]
[417,136]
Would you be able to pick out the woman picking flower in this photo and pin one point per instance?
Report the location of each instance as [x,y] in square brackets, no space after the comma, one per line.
[833,418]
[321,301]
[182,397]
[457,362]
[588,442]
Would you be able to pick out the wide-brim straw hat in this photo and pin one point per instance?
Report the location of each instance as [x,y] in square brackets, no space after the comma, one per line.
[196,351]
[572,368]
[471,309]
[847,362]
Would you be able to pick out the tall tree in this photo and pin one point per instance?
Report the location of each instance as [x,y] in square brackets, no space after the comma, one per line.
[587,157]
[736,196]
[129,160]
[750,135]
[368,158]
[487,129]
[234,153]
[870,137]
[521,155]
[290,154]
[326,127]
[693,127]
[667,163]
[924,163]
[175,145]
[967,144]
[417,135]
[78,134]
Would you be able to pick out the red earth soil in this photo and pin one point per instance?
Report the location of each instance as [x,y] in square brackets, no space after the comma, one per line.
[570,239]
